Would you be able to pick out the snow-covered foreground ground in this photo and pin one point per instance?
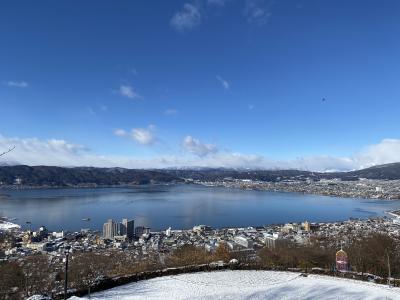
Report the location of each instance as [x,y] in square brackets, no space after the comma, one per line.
[248,285]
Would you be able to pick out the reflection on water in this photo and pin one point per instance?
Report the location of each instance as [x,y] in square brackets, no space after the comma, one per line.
[179,206]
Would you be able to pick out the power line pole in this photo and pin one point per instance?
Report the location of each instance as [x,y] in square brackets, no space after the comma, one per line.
[66,275]
[388,262]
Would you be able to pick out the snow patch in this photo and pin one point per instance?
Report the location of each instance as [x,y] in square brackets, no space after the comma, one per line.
[248,285]
[5,226]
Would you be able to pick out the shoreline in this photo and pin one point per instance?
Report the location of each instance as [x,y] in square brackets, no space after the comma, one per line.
[384,216]
[254,186]
[300,187]
[94,186]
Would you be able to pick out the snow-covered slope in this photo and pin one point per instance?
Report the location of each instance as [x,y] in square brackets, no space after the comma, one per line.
[248,285]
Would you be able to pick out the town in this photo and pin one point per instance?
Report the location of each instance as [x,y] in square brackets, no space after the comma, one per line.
[36,261]
[360,188]
[142,242]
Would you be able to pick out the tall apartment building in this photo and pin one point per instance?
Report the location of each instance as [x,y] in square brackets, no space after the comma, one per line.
[125,228]
[110,229]
[128,228]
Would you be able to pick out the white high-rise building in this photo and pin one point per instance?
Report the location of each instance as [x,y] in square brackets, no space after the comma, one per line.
[125,228]
[110,229]
[168,232]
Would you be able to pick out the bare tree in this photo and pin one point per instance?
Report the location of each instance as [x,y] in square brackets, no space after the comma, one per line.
[9,150]
[222,252]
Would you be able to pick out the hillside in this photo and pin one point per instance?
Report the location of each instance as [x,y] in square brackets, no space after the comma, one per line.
[88,176]
[388,171]
[58,176]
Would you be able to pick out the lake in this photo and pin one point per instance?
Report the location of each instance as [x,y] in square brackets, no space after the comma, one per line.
[179,206]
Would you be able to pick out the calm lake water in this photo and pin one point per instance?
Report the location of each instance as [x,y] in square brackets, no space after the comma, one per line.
[179,206]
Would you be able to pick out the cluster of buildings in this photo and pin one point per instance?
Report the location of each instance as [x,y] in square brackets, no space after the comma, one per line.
[142,242]
[248,240]
[17,243]
[362,188]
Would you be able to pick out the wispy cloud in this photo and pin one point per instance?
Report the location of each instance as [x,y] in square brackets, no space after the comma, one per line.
[225,84]
[198,148]
[120,132]
[94,110]
[217,2]
[258,11]
[171,111]
[142,136]
[193,13]
[187,18]
[19,84]
[128,91]
[91,111]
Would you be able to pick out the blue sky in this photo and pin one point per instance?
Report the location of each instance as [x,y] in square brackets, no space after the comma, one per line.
[207,82]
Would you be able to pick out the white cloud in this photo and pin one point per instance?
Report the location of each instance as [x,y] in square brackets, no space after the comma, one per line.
[143,136]
[258,11]
[58,152]
[198,148]
[120,132]
[20,84]
[224,83]
[387,151]
[63,146]
[128,91]
[171,111]
[33,151]
[188,18]
[323,163]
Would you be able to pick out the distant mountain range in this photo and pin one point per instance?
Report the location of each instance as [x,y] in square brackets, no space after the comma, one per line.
[88,176]
[80,176]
